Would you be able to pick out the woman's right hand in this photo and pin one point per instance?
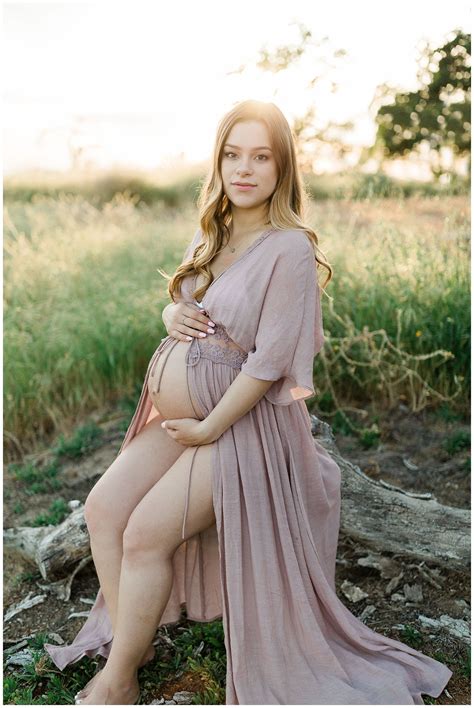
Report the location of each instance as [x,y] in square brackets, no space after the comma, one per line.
[184,321]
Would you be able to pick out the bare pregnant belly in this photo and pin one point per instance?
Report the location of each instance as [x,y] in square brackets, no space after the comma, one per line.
[169,375]
[168,380]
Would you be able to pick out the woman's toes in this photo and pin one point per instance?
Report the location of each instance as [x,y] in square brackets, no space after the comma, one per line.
[112,694]
[85,691]
[87,688]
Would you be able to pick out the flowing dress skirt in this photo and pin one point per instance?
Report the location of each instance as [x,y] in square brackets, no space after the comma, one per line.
[267,566]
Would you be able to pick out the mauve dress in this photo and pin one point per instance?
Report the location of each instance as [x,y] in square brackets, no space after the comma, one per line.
[267,566]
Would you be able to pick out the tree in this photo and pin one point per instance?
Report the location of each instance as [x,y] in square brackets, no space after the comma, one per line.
[313,139]
[437,115]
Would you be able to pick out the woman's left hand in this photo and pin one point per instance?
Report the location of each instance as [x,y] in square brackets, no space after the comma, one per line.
[188,431]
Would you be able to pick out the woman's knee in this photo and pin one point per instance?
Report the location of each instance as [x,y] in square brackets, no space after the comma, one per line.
[139,539]
[155,524]
[102,516]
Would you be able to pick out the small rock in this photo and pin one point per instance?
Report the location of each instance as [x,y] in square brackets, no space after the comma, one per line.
[353,592]
[19,645]
[393,583]
[396,597]
[413,593]
[56,637]
[183,697]
[367,612]
[158,702]
[74,504]
[456,627]
[21,658]
[428,621]
[386,566]
[464,607]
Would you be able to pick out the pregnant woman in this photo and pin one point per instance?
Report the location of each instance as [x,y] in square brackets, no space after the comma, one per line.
[219,498]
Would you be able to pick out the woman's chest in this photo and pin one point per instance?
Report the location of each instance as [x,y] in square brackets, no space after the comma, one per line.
[217,266]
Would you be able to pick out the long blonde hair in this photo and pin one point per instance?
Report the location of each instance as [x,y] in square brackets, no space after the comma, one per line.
[287,205]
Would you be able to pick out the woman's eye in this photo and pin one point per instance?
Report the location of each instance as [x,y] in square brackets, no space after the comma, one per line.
[230,154]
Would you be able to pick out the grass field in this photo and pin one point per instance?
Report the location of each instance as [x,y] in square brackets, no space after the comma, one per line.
[83,300]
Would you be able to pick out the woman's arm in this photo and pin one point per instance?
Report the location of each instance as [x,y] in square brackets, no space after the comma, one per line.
[284,343]
[242,395]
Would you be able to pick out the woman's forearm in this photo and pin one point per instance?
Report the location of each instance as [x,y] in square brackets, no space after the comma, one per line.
[244,392]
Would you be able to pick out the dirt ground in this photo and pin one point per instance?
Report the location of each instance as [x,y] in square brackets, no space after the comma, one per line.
[411,454]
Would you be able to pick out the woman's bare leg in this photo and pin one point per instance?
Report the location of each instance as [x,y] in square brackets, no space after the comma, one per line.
[111,501]
[151,538]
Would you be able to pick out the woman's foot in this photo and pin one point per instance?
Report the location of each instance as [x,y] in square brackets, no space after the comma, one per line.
[106,693]
[80,695]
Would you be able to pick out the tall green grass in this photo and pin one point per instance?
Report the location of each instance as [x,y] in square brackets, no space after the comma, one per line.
[83,302]
[399,318]
[83,306]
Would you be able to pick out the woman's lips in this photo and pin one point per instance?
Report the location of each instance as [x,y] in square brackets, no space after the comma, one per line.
[244,188]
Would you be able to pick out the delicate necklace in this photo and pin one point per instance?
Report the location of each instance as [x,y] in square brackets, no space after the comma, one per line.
[235,248]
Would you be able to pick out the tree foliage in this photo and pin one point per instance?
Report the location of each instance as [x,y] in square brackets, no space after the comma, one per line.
[438,113]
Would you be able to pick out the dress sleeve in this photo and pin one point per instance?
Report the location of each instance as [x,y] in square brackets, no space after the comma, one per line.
[290,330]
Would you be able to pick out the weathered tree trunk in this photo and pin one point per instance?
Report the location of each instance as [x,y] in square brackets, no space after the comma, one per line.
[55,550]
[389,519]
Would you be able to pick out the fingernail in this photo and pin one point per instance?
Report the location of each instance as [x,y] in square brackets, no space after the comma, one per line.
[202,334]
[211,324]
[211,331]
[189,338]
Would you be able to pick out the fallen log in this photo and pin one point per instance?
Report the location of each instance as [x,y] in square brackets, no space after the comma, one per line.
[392,520]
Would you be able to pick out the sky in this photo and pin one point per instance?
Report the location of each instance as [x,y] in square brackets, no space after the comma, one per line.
[144,84]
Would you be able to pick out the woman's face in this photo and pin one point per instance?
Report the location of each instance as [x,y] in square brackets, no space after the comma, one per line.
[247,158]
